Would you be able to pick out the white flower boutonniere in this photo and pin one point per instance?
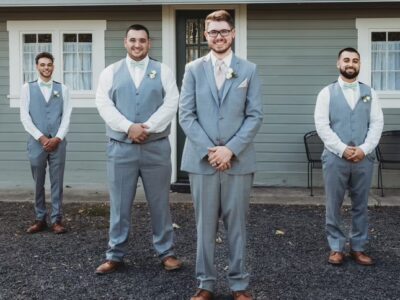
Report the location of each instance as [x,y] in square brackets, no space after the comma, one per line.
[366,98]
[231,74]
[152,74]
[56,94]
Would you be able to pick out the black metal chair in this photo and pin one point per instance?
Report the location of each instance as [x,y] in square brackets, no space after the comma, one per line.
[314,147]
[388,154]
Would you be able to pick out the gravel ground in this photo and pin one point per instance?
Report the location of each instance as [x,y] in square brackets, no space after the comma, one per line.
[287,256]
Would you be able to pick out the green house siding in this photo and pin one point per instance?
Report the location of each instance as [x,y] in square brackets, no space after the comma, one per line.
[295,49]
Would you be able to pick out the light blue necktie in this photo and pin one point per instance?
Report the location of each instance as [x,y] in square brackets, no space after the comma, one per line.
[350,86]
[137,64]
[46,84]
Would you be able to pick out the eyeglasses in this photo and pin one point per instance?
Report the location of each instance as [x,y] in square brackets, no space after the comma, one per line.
[223,32]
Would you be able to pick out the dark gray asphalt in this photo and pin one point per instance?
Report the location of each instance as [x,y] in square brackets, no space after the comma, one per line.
[291,265]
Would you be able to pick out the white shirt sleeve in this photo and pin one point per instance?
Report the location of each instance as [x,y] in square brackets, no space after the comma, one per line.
[25,117]
[67,110]
[106,106]
[321,117]
[160,119]
[375,125]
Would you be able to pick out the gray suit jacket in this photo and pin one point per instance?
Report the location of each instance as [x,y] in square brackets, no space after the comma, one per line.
[208,121]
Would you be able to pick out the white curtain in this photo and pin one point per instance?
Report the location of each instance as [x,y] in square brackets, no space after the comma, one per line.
[30,51]
[78,65]
[386,65]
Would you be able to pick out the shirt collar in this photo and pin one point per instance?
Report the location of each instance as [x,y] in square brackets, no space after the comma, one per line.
[145,60]
[227,59]
[342,82]
[39,81]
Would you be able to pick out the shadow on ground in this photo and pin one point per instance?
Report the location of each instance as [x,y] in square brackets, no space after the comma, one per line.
[287,255]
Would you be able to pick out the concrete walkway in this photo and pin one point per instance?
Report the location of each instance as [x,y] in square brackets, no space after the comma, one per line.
[263,195]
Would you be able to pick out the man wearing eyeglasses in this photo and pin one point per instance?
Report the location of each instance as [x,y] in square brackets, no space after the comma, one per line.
[137,97]
[45,113]
[220,113]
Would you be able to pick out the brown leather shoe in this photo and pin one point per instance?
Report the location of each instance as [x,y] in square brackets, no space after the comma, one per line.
[37,226]
[242,295]
[171,263]
[108,267]
[336,258]
[202,295]
[58,228]
[361,258]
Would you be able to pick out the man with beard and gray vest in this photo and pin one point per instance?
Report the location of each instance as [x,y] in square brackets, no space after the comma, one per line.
[349,120]
[45,113]
[137,97]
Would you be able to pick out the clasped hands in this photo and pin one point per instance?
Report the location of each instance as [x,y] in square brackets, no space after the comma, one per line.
[138,133]
[49,144]
[220,157]
[354,154]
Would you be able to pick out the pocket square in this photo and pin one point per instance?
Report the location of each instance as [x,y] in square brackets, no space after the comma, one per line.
[243,84]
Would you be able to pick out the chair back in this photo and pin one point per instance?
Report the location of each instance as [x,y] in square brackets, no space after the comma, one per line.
[388,149]
[314,146]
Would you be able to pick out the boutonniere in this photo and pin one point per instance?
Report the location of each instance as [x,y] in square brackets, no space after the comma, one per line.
[231,74]
[152,74]
[56,94]
[366,98]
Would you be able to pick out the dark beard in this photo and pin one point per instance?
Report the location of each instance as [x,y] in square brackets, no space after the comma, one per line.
[349,76]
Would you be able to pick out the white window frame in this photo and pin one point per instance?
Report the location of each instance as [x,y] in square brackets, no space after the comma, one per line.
[389,99]
[57,28]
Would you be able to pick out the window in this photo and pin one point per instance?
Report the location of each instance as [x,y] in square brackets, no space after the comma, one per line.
[385,60]
[78,50]
[379,46]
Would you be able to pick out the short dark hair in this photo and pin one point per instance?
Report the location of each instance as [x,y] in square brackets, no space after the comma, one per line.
[45,55]
[219,16]
[137,27]
[348,49]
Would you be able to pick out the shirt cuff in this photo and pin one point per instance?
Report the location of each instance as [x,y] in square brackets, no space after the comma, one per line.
[364,148]
[341,150]
[150,125]
[125,124]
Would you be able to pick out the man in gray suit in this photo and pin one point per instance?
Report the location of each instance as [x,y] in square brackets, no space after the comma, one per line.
[45,114]
[137,97]
[220,113]
[349,120]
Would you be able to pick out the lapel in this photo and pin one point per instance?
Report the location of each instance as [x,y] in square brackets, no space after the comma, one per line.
[228,82]
[208,70]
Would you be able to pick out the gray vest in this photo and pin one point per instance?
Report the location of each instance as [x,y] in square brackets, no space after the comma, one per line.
[46,115]
[136,104]
[350,125]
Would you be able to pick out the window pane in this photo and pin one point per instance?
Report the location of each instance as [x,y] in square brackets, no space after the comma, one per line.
[385,64]
[85,37]
[77,57]
[44,38]
[394,36]
[29,38]
[378,36]
[32,45]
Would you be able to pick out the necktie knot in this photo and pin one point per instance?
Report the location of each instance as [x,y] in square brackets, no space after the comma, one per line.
[46,84]
[137,64]
[350,86]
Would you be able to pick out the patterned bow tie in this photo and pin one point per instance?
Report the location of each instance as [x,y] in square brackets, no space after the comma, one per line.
[350,86]
[46,84]
[138,64]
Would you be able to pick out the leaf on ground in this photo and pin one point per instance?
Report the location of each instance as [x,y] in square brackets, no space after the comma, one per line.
[279,232]
[218,240]
[175,226]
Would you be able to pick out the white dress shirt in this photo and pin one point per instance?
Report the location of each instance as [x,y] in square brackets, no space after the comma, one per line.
[330,138]
[227,59]
[46,91]
[159,120]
